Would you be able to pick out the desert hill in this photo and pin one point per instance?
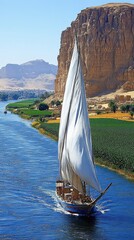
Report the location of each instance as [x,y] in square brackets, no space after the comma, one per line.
[36,74]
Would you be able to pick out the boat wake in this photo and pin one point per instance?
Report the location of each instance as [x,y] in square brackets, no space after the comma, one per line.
[103,207]
[51,202]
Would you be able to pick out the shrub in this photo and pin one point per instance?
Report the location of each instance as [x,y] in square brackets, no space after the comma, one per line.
[43,106]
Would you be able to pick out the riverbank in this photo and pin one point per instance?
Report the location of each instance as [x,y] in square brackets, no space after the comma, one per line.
[124,173]
[47,129]
[112,138]
[36,125]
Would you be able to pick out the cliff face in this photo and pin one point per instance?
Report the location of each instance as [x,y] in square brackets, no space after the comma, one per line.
[106,41]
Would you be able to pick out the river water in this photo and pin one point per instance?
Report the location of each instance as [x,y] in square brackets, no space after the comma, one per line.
[28,206]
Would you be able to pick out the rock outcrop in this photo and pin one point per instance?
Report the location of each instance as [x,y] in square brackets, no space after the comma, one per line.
[106,40]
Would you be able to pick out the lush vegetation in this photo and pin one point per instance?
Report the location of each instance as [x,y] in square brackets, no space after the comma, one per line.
[55,103]
[22,104]
[15,95]
[128,108]
[36,113]
[26,108]
[113,141]
[23,94]
[51,129]
[43,106]
[113,106]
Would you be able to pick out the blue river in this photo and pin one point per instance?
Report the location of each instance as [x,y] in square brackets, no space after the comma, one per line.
[28,207]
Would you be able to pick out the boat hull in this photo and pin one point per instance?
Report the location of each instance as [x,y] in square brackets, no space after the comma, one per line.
[78,209]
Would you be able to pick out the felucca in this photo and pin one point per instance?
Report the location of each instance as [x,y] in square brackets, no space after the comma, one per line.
[77,167]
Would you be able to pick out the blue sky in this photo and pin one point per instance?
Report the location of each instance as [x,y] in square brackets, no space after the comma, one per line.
[31,29]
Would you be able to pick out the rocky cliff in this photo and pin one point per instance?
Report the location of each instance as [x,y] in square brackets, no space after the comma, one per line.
[106,41]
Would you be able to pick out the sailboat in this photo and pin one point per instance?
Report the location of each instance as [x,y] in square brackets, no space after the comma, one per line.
[77,168]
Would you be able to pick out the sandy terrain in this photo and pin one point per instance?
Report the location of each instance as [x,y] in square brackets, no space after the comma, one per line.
[41,82]
[113,94]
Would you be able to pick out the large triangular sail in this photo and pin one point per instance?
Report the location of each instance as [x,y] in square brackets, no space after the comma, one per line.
[75,144]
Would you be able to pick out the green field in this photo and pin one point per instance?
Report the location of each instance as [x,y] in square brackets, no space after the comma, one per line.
[113,141]
[24,108]
[51,128]
[22,104]
[36,113]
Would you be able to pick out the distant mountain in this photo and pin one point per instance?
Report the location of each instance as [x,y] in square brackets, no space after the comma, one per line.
[30,69]
[36,74]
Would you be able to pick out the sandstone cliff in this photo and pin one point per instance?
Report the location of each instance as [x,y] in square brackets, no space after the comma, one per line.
[106,41]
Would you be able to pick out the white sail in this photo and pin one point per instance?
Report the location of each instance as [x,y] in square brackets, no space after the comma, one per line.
[75,144]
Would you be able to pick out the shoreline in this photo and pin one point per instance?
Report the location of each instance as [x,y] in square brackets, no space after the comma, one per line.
[101,162]
[129,176]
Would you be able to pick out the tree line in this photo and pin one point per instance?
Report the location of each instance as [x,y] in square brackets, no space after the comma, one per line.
[123,108]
